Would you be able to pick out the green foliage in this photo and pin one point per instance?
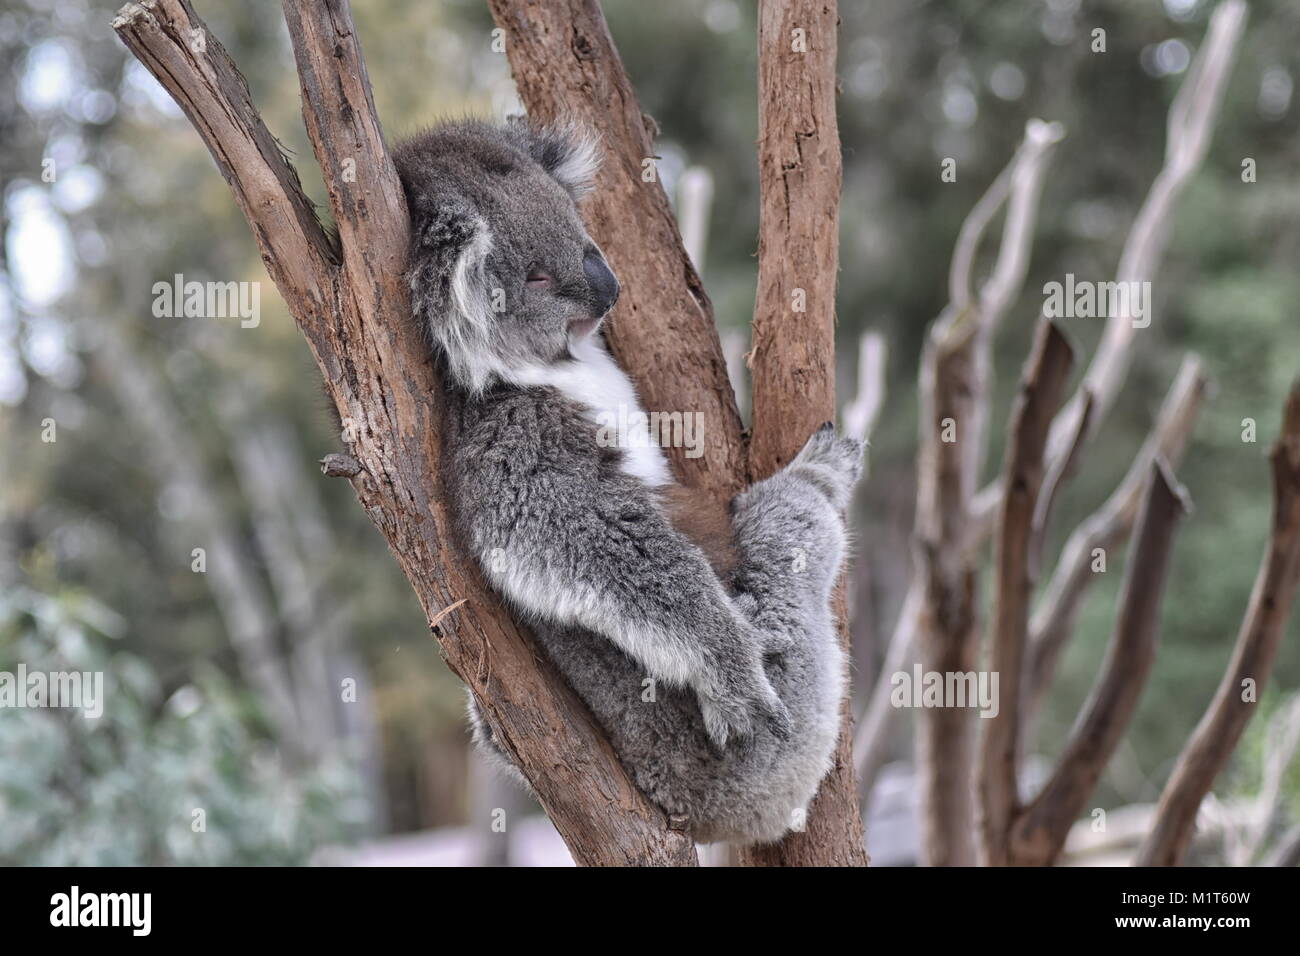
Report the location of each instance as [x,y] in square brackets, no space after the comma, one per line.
[123,789]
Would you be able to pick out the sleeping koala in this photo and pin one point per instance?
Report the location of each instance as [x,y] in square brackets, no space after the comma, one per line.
[718,686]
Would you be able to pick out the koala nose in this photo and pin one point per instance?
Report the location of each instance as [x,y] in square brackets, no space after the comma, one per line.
[604,286]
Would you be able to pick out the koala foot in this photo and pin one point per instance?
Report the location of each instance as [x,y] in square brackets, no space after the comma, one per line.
[831,462]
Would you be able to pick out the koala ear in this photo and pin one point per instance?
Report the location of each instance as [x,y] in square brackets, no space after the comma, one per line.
[567,151]
[450,246]
[443,226]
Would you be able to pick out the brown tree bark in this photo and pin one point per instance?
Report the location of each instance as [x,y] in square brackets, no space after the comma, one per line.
[793,355]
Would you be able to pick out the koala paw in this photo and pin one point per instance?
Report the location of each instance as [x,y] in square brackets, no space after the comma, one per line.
[831,462]
[735,715]
[769,640]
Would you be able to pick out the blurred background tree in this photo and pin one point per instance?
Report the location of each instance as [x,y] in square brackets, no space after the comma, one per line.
[175,434]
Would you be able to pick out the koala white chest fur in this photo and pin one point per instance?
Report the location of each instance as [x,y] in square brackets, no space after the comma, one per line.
[718,687]
[594,381]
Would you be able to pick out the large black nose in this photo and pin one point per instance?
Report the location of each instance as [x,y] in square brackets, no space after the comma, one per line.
[604,286]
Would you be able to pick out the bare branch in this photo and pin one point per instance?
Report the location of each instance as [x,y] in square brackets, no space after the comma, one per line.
[1191,120]
[1216,736]
[947,615]
[1012,263]
[793,355]
[957,355]
[1046,372]
[339,110]
[1058,473]
[173,44]
[955,383]
[1019,182]
[1054,619]
[1040,831]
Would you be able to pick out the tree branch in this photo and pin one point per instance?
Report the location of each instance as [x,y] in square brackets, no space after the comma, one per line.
[793,355]
[1055,617]
[1216,736]
[1039,832]
[955,383]
[1041,389]
[1191,120]
[377,370]
[339,110]
[1020,182]
[170,40]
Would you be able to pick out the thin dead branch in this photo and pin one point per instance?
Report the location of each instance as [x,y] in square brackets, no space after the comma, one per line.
[1041,390]
[1106,528]
[1220,729]
[1040,830]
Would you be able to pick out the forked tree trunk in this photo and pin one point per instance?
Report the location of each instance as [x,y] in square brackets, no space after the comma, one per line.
[350,302]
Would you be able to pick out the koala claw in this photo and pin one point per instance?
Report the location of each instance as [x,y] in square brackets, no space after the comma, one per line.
[770,641]
[832,462]
[731,717]
[725,720]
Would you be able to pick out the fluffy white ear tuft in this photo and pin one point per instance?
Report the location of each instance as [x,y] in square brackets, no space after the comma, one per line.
[570,152]
[578,163]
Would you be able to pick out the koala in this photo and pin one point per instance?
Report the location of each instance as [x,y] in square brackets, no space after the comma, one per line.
[719,688]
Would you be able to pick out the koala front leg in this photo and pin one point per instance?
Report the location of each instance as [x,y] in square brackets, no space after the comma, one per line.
[575,544]
[790,531]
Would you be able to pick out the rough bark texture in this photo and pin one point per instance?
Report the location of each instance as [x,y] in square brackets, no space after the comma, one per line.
[351,304]
[793,354]
[1219,731]
[566,66]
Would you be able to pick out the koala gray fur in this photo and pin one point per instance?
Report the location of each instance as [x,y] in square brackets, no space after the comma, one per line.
[747,679]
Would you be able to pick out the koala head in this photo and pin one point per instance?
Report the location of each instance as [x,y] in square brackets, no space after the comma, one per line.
[502,270]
